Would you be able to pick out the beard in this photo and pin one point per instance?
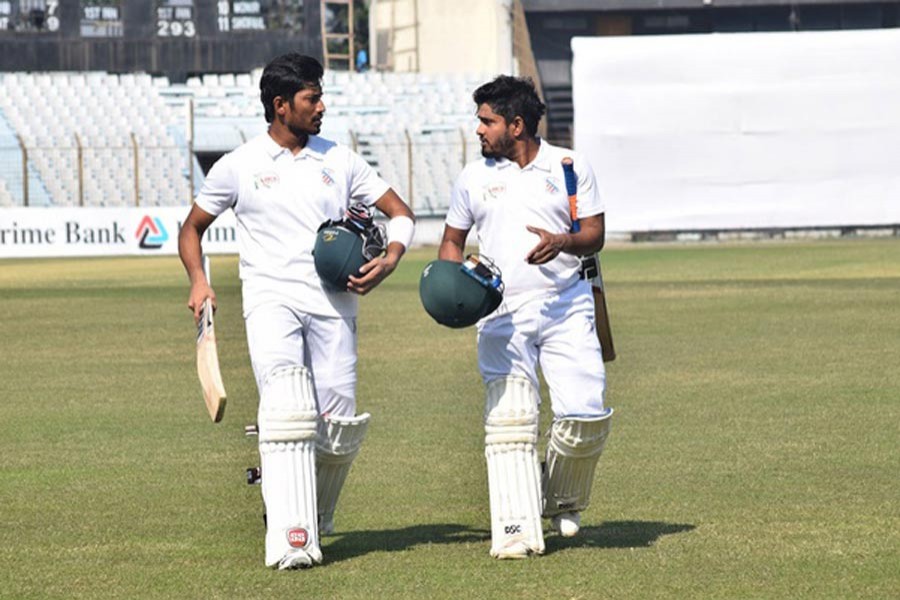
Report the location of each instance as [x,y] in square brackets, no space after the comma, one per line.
[501,149]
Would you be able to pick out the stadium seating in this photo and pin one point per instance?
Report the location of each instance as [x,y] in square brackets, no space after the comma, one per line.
[387,117]
[86,136]
[417,130]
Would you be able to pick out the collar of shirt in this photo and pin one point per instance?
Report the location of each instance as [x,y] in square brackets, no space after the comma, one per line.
[540,162]
[312,149]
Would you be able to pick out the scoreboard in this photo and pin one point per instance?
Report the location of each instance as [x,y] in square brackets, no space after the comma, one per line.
[169,37]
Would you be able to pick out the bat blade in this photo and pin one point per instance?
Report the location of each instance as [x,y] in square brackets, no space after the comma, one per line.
[601,316]
[208,361]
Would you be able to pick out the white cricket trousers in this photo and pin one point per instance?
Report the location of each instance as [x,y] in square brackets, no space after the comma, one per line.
[558,332]
[280,336]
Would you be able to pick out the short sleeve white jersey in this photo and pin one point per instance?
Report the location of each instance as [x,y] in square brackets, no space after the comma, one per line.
[500,199]
[279,200]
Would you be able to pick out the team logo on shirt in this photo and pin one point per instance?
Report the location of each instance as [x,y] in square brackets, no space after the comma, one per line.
[494,191]
[327,176]
[553,185]
[266,179]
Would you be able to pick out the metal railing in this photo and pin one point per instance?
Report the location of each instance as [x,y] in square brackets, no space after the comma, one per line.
[72,173]
[420,166]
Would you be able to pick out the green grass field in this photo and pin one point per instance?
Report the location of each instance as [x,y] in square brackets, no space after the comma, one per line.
[754,451]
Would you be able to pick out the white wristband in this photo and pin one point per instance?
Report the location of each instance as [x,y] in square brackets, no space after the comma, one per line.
[401,229]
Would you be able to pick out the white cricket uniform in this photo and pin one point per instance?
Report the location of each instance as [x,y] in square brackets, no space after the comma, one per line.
[280,199]
[547,314]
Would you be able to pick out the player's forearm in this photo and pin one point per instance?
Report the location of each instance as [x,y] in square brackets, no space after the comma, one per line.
[191,252]
[582,243]
[395,252]
[450,250]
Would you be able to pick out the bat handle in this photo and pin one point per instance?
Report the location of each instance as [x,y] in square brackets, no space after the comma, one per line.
[568,167]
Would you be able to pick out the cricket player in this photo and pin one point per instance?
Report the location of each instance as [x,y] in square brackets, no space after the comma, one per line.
[282,185]
[516,198]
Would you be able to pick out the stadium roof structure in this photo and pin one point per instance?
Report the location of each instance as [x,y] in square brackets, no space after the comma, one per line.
[610,5]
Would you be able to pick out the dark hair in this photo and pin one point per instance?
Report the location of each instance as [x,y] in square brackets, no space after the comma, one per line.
[285,76]
[510,97]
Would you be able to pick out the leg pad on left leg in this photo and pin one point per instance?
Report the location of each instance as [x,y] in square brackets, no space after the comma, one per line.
[337,445]
[572,454]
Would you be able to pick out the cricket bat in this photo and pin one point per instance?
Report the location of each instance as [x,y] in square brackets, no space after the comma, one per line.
[591,267]
[208,359]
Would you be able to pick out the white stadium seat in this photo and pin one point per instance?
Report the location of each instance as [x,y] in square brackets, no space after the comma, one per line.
[379,108]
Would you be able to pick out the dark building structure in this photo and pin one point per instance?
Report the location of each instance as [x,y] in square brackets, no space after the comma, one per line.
[175,38]
[553,23]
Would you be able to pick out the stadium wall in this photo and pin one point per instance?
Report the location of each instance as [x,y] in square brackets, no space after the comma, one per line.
[433,36]
[741,131]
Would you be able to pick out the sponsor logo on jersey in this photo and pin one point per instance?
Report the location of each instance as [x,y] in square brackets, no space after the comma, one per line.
[493,191]
[297,537]
[327,176]
[266,179]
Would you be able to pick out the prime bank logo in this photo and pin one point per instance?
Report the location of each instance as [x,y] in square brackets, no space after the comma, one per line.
[151,233]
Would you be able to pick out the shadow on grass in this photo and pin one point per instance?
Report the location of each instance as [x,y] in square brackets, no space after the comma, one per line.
[344,546]
[617,534]
[612,534]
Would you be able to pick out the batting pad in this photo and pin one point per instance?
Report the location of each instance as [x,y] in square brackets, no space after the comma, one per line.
[511,432]
[337,445]
[287,438]
[572,454]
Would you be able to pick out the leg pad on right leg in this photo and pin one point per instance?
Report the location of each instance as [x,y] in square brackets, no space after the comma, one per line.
[511,431]
[287,435]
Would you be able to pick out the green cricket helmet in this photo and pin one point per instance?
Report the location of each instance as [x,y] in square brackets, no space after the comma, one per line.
[458,295]
[342,247]
[337,255]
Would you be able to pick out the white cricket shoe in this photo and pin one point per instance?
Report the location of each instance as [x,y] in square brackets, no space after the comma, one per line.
[513,551]
[566,524]
[298,559]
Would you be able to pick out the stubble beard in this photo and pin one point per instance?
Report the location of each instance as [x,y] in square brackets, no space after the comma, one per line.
[503,148]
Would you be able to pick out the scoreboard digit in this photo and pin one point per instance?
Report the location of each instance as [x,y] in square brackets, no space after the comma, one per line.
[175,18]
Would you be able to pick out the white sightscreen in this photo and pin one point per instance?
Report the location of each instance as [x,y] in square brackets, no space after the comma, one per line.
[742,130]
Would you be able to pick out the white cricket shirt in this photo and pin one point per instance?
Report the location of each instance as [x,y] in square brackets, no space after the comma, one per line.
[499,198]
[280,199]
